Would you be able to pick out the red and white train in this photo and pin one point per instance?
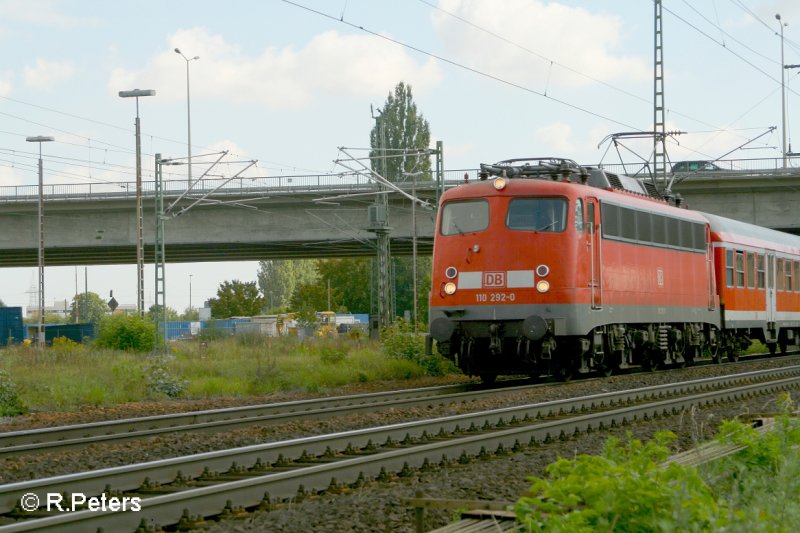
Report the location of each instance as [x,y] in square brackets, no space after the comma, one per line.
[545,267]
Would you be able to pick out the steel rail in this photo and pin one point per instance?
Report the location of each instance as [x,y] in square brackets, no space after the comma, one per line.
[47,438]
[132,477]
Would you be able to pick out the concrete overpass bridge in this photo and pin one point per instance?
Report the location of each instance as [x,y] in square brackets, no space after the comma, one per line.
[305,216]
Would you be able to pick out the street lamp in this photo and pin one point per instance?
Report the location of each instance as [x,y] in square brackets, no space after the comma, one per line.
[188,112]
[190,292]
[136,93]
[783,92]
[40,329]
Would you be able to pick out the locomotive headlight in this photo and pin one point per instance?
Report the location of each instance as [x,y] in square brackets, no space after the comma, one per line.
[499,183]
[451,272]
[542,286]
[449,288]
[542,271]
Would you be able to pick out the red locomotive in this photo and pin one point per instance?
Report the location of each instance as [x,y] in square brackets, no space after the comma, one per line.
[544,267]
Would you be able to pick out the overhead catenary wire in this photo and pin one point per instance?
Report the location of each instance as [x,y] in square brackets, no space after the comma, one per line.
[462,66]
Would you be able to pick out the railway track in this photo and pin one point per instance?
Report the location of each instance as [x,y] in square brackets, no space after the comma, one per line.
[59,438]
[226,482]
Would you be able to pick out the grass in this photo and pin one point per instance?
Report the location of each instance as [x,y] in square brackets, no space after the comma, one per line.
[71,376]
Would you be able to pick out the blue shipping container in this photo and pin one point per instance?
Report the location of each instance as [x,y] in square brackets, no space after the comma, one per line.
[11,330]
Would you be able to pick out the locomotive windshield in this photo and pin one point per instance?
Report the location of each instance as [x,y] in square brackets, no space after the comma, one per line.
[466,216]
[537,214]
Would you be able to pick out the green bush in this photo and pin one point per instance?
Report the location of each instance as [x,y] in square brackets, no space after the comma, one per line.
[126,332]
[160,381]
[623,489]
[401,342]
[10,403]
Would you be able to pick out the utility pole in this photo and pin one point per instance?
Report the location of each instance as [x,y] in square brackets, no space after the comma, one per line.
[379,224]
[659,131]
[790,153]
[783,92]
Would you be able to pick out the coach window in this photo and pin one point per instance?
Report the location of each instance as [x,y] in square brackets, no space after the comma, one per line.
[797,276]
[466,216]
[760,270]
[789,287]
[779,276]
[579,215]
[751,271]
[729,268]
[739,268]
[537,214]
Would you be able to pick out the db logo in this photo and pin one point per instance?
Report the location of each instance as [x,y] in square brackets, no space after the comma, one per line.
[494,279]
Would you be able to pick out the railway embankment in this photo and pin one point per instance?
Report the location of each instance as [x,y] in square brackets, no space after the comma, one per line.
[378,502]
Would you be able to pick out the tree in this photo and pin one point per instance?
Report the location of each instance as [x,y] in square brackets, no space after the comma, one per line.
[169,313]
[90,306]
[2,304]
[278,280]
[190,314]
[313,297]
[402,131]
[349,277]
[404,286]
[236,298]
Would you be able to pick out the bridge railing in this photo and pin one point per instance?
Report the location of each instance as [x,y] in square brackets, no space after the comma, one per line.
[339,183]
[738,166]
[323,183]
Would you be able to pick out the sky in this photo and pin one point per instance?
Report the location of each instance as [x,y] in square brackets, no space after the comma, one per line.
[288,83]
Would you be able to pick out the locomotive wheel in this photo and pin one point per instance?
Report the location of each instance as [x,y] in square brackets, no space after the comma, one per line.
[650,359]
[488,378]
[564,373]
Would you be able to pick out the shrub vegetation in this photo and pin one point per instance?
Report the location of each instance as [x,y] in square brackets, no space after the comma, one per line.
[69,375]
[627,488]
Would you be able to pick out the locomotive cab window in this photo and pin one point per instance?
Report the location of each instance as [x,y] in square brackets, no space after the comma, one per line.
[468,216]
[537,214]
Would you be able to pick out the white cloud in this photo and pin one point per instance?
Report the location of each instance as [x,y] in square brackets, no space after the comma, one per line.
[556,138]
[46,74]
[8,176]
[532,34]
[280,77]
[6,85]
[42,13]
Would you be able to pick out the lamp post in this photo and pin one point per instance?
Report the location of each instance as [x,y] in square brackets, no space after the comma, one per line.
[188,112]
[40,329]
[136,93]
[190,292]
[783,92]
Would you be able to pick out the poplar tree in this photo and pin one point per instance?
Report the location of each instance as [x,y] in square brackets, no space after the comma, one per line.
[400,130]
